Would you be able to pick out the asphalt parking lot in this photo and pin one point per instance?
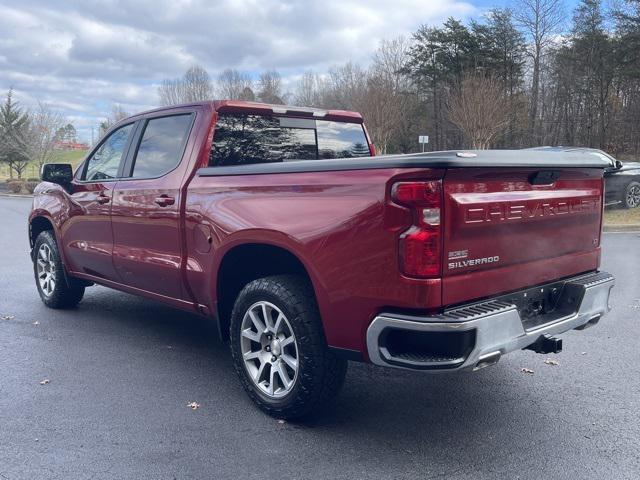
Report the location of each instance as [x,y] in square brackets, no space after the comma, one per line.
[122,370]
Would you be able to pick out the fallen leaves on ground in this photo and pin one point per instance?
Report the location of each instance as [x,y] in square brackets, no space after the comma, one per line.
[527,370]
[7,317]
[550,361]
[193,405]
[45,381]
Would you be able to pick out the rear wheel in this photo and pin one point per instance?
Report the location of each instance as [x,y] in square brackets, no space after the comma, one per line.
[279,349]
[54,288]
[632,195]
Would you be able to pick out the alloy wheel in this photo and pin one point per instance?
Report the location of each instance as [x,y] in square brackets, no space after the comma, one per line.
[633,196]
[46,269]
[269,349]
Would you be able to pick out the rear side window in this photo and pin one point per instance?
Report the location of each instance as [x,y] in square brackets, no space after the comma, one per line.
[249,139]
[161,145]
[105,161]
[341,140]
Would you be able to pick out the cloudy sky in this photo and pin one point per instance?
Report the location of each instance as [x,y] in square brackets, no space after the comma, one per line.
[83,56]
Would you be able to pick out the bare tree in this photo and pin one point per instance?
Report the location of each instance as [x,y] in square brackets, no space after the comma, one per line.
[389,60]
[170,92]
[541,20]
[387,95]
[478,107]
[43,129]
[234,85]
[247,94]
[310,90]
[117,113]
[270,87]
[381,108]
[195,85]
[346,87]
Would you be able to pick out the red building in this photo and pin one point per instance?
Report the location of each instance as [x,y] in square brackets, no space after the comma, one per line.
[70,146]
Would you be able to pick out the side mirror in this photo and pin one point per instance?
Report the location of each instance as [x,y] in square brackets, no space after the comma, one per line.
[618,164]
[60,173]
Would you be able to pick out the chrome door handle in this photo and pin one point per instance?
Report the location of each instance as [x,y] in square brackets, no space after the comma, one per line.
[102,198]
[165,200]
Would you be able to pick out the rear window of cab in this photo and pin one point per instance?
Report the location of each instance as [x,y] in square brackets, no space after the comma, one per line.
[251,139]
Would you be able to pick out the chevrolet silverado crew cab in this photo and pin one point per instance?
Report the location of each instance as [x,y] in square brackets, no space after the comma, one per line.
[280,225]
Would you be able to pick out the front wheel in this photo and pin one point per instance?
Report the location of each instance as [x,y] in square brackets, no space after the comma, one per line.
[53,287]
[279,348]
[632,195]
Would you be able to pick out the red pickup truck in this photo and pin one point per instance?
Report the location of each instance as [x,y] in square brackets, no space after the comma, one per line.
[279,224]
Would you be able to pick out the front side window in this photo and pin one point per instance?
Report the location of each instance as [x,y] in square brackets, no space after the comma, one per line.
[104,163]
[250,139]
[161,146]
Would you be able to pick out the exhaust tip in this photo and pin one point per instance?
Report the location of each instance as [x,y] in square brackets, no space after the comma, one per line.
[487,360]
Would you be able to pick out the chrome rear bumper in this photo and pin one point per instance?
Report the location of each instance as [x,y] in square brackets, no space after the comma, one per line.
[477,335]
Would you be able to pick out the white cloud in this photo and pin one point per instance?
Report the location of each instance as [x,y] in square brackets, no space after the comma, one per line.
[81,56]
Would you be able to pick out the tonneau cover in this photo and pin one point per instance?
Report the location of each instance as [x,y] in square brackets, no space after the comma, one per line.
[447,159]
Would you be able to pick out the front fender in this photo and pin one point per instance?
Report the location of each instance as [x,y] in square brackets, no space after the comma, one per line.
[50,202]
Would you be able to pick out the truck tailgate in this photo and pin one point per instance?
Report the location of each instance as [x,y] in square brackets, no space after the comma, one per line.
[510,228]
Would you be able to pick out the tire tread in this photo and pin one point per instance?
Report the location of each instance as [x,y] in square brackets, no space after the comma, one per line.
[323,372]
[67,293]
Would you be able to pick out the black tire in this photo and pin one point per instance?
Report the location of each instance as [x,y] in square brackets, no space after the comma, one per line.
[320,373]
[62,292]
[631,198]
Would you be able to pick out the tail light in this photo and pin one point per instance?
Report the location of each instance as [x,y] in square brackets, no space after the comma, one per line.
[420,244]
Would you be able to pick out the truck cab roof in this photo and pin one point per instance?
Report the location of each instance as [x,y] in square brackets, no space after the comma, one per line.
[258,108]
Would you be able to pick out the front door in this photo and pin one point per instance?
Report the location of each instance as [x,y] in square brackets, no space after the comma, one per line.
[87,236]
[146,208]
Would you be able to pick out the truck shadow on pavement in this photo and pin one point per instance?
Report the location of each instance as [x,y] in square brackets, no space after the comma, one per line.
[454,420]
[123,370]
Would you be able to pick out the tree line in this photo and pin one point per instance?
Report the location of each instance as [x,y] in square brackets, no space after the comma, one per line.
[534,75]
[512,79]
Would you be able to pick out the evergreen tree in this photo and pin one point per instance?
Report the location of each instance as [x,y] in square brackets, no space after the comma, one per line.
[359,150]
[66,133]
[628,27]
[14,125]
[501,48]
[584,72]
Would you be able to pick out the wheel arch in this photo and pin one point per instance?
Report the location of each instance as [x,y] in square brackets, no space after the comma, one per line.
[39,223]
[246,262]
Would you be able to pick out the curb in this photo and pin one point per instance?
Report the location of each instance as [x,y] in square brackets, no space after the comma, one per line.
[15,195]
[621,229]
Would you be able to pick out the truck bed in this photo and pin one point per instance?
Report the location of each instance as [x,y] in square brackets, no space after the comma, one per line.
[338,218]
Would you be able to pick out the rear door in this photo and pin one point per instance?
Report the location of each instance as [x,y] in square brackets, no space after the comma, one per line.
[507,229]
[87,236]
[147,251]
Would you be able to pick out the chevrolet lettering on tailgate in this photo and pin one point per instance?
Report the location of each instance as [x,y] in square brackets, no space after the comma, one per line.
[501,211]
